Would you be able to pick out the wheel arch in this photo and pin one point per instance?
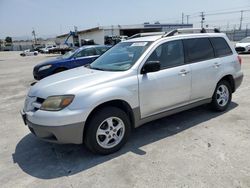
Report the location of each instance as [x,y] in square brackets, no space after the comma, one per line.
[229,78]
[121,104]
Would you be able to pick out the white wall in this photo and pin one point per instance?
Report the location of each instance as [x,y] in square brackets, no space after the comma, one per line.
[97,36]
[110,32]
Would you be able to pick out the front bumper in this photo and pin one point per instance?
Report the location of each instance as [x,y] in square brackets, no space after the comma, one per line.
[64,134]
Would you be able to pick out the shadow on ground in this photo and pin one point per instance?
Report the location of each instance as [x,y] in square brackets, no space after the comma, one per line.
[47,161]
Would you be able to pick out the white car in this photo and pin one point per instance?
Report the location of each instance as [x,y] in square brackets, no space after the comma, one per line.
[243,46]
[48,48]
[28,53]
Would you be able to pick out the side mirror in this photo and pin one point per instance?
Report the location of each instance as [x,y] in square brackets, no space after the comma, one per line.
[151,66]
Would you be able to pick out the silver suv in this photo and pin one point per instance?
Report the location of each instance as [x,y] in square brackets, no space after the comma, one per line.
[136,81]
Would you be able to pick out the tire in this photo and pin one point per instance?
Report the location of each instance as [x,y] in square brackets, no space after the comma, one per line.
[222,96]
[100,137]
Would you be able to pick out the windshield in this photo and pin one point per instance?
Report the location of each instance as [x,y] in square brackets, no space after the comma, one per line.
[121,57]
[245,40]
[67,55]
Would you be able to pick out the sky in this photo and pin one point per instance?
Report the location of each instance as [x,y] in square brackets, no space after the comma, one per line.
[54,17]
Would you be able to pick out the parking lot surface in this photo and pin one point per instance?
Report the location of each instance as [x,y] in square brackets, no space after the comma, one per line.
[195,148]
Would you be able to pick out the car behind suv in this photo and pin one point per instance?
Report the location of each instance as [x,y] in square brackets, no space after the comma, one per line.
[72,59]
[136,81]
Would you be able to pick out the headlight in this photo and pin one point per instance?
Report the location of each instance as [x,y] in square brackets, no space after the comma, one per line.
[56,103]
[44,67]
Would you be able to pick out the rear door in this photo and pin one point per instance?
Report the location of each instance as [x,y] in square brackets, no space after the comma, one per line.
[223,51]
[168,88]
[204,66]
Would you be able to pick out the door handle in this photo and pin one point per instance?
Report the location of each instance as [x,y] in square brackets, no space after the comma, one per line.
[217,65]
[183,72]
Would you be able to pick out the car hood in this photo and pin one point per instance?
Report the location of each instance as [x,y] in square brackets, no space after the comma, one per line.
[242,44]
[71,81]
[50,62]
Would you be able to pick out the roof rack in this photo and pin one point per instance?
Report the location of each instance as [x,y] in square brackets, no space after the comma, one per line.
[146,34]
[191,31]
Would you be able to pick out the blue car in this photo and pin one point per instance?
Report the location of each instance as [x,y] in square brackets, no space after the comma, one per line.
[76,58]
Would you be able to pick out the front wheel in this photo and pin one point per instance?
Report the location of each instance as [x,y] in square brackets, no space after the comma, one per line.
[107,131]
[222,96]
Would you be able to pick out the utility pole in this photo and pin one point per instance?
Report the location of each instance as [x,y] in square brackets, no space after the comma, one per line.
[227,26]
[75,29]
[246,30]
[182,18]
[202,19]
[241,19]
[34,34]
[187,18]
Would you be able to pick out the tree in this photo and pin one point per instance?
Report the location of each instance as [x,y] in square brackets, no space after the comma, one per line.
[8,39]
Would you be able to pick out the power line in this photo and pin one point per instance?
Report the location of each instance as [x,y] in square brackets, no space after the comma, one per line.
[228,12]
[235,8]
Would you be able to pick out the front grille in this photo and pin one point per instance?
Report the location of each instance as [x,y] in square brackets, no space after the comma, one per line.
[33,103]
[240,49]
[37,104]
[40,100]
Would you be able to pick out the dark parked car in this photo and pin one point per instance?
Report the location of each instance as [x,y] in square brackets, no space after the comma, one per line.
[75,58]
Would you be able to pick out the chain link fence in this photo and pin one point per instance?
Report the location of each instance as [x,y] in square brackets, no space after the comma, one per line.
[237,35]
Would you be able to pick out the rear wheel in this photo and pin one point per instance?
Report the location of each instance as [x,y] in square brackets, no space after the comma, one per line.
[107,131]
[222,96]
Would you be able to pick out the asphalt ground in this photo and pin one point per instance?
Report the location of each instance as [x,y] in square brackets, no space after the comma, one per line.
[195,148]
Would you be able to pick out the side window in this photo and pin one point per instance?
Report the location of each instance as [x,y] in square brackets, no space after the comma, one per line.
[221,47]
[198,49]
[169,54]
[86,52]
[101,50]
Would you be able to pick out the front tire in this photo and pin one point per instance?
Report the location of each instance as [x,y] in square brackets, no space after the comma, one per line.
[107,131]
[222,96]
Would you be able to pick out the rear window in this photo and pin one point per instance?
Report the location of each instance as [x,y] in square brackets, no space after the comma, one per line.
[221,47]
[198,49]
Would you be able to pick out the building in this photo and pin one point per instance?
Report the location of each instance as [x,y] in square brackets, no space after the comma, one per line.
[20,45]
[98,33]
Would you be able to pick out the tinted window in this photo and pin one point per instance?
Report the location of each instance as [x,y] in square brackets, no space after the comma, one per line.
[169,54]
[198,49]
[86,52]
[221,47]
